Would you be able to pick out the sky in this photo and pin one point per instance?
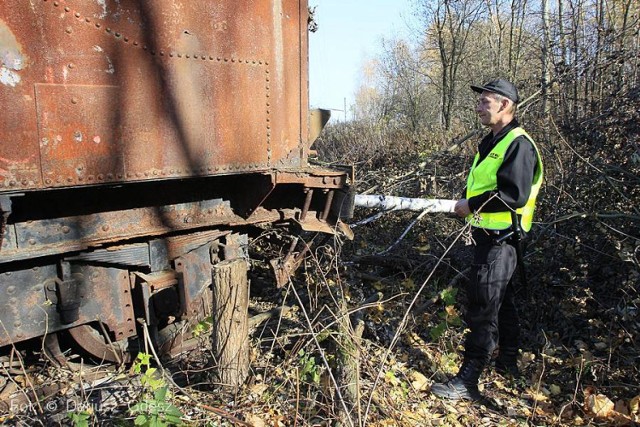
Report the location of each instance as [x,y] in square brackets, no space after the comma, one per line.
[349,33]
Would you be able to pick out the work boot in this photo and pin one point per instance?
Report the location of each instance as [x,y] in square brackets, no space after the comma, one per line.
[464,386]
[507,363]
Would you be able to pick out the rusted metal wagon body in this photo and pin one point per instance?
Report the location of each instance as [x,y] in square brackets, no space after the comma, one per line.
[136,138]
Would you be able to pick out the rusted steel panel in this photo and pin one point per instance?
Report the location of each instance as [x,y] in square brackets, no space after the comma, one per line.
[122,90]
[28,302]
[194,270]
[19,160]
[47,237]
[312,178]
[79,134]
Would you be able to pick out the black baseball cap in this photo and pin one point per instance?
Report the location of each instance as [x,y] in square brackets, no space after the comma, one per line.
[500,86]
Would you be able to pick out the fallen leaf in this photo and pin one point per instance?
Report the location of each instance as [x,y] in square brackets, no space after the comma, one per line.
[255,420]
[418,381]
[537,395]
[599,406]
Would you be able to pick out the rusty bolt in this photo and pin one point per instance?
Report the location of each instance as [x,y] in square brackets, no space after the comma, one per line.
[65,229]
[32,242]
[77,14]
[56,4]
[68,30]
[12,183]
[70,65]
[67,9]
[105,227]
[47,181]
[98,25]
[74,100]
[100,177]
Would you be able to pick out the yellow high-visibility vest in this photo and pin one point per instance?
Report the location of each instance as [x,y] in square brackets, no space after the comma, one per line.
[484,177]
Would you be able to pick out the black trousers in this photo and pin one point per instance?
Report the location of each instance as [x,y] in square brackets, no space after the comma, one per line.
[491,315]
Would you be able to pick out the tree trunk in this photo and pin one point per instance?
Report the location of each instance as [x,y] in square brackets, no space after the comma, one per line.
[230,341]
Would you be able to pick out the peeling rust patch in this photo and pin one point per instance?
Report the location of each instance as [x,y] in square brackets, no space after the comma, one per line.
[12,60]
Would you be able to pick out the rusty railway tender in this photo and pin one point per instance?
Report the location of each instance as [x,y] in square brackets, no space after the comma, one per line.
[139,140]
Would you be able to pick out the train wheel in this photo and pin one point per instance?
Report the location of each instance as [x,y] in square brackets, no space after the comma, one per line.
[94,342]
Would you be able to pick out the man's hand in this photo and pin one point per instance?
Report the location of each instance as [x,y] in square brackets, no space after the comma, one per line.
[462,208]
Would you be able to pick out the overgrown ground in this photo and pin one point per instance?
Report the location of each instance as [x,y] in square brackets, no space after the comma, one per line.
[383,313]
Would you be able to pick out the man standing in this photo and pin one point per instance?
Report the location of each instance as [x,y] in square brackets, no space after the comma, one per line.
[505,177]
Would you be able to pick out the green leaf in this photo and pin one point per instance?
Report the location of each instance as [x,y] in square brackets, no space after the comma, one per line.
[438,331]
[161,393]
[449,295]
[140,420]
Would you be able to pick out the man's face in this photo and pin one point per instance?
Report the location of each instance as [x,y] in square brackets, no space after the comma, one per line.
[489,109]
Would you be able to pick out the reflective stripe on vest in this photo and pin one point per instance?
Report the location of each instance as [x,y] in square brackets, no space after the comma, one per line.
[484,177]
